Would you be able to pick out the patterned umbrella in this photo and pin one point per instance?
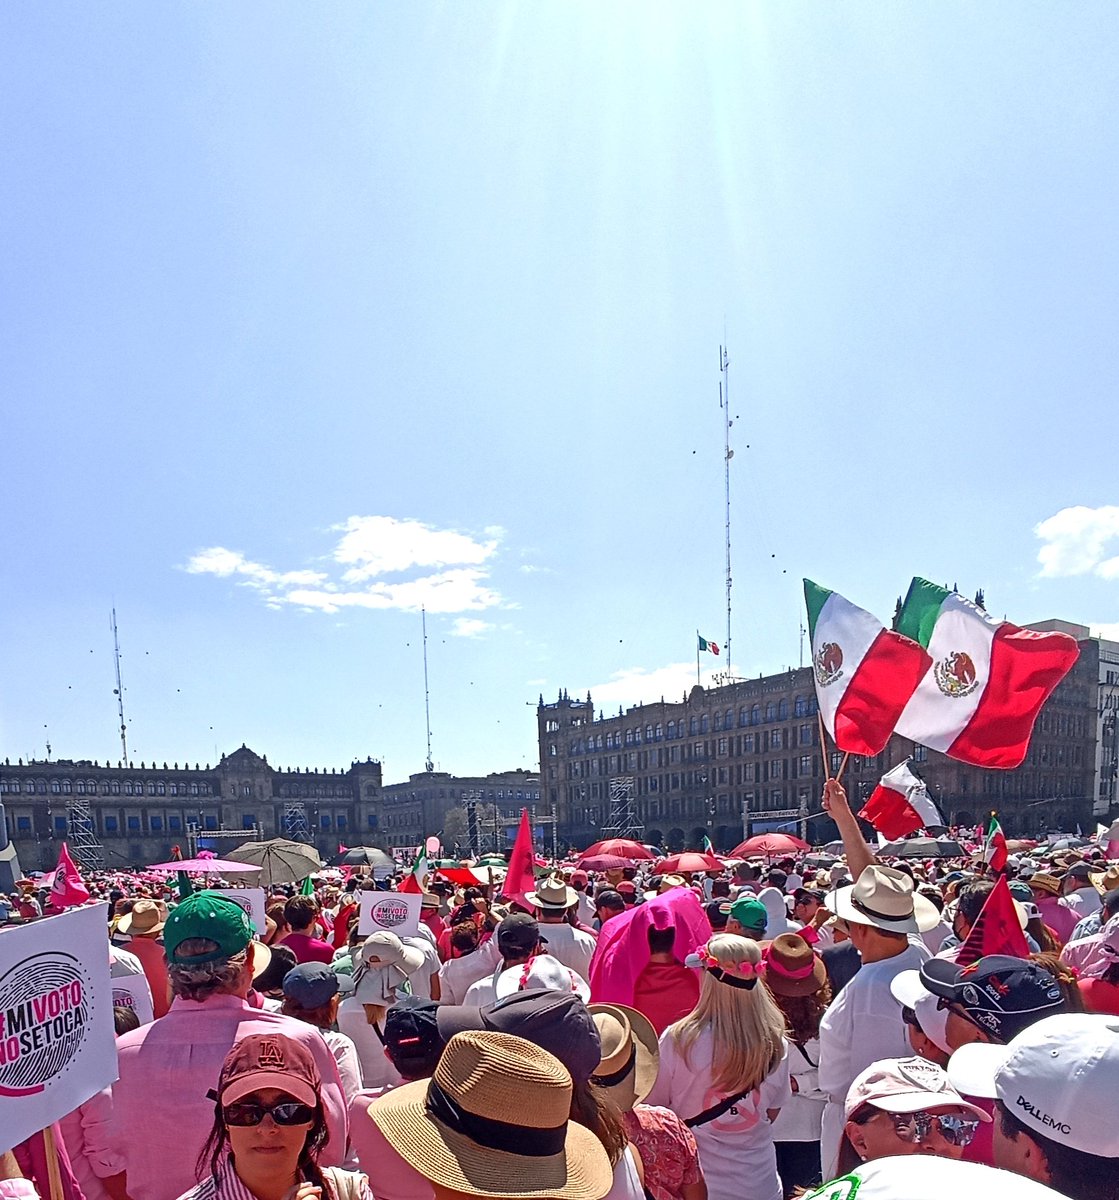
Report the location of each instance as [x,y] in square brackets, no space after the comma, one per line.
[280,860]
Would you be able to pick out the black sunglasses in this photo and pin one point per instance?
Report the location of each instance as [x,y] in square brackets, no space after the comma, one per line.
[286,1112]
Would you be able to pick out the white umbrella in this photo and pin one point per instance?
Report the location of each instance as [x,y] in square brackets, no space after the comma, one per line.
[280,860]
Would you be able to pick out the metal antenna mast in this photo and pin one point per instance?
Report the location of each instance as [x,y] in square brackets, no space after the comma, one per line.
[728,454]
[120,692]
[428,764]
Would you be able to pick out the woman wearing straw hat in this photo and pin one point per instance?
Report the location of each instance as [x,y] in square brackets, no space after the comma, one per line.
[798,983]
[493,1121]
[724,1068]
[626,1073]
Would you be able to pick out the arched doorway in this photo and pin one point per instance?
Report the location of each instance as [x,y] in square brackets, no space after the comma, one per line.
[675,841]
[654,837]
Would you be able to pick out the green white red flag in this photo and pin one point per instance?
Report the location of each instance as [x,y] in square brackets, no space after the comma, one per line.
[900,805]
[994,846]
[988,680]
[709,646]
[416,880]
[865,673]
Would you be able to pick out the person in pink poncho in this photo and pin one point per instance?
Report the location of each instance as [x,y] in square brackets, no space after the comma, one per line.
[619,968]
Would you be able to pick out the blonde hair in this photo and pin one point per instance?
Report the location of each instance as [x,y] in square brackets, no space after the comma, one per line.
[747,1027]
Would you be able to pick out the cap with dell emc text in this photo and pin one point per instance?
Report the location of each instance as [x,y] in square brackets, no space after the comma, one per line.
[999,993]
[1058,1078]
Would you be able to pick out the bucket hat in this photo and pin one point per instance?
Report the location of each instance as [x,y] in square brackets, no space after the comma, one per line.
[145,917]
[791,967]
[493,1121]
[630,1053]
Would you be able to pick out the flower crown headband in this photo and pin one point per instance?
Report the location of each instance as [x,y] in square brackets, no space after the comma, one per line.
[740,975]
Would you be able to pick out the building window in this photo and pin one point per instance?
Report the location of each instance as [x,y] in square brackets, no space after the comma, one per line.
[920,753]
[756,715]
[66,787]
[800,708]
[133,824]
[56,787]
[341,822]
[81,787]
[151,788]
[782,710]
[161,789]
[771,712]
[155,824]
[324,821]
[804,765]
[248,820]
[128,787]
[114,787]
[194,789]
[110,824]
[60,824]
[372,820]
[23,824]
[174,823]
[211,822]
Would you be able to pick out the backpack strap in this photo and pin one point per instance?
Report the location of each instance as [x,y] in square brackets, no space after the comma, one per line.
[717,1110]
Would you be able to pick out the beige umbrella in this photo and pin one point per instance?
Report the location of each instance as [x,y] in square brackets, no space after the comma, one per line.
[280,860]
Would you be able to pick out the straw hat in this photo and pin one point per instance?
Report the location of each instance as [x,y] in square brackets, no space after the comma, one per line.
[791,967]
[514,1099]
[883,897]
[1106,881]
[146,917]
[552,893]
[1044,882]
[630,1053]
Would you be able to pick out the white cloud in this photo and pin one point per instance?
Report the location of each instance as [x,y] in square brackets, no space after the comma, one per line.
[371,547]
[1109,633]
[637,685]
[1076,542]
[470,627]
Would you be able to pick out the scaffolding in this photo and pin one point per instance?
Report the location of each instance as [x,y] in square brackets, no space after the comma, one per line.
[622,820]
[294,821]
[85,846]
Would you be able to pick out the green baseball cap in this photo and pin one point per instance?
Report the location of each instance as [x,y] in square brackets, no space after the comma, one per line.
[750,913]
[207,915]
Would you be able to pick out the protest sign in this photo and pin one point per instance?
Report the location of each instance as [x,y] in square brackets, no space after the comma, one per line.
[252,901]
[132,991]
[57,1044]
[398,912]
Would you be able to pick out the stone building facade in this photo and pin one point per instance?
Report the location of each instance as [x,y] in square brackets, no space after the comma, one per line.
[728,761]
[139,813]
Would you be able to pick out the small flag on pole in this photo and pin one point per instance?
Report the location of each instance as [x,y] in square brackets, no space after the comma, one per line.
[994,847]
[900,804]
[67,888]
[415,881]
[709,646]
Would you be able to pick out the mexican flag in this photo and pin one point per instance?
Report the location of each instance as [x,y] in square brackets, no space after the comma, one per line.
[865,673]
[415,881]
[900,805]
[704,644]
[988,681]
[994,845]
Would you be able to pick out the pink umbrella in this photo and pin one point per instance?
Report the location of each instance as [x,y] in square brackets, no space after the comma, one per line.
[769,845]
[207,866]
[623,848]
[602,862]
[687,863]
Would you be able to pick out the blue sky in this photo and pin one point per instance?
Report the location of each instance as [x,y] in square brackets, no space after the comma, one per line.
[315,313]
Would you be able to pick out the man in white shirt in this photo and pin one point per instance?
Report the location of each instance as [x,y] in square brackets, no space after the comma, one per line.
[518,941]
[571,946]
[884,917]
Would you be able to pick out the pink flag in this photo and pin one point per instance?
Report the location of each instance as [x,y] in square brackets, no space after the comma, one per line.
[67,889]
[519,880]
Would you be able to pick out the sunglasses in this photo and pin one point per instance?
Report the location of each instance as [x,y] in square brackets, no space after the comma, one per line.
[916,1127]
[286,1112]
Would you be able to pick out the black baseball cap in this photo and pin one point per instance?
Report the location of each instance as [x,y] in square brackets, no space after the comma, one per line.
[518,933]
[412,1036]
[717,912]
[803,893]
[1001,994]
[555,1021]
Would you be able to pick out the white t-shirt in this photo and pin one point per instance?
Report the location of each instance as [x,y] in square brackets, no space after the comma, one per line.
[376,1069]
[799,1119]
[571,946]
[627,1181]
[457,974]
[862,1025]
[420,979]
[736,1149]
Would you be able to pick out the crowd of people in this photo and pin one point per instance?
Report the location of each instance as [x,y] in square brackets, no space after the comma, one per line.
[745,1034]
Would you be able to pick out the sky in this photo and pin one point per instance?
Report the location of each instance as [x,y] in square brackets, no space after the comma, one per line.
[315,315]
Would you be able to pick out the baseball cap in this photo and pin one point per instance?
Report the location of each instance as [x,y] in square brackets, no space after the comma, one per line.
[1001,994]
[312,984]
[211,916]
[717,912]
[269,1061]
[1059,1078]
[518,933]
[412,1034]
[804,893]
[559,1022]
[905,1085]
[930,1177]
[908,990]
[749,912]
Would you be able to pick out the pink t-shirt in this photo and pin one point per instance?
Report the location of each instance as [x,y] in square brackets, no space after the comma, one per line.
[390,1177]
[309,949]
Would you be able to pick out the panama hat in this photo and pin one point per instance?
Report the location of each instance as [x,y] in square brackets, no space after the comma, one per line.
[493,1121]
[146,917]
[630,1053]
[552,893]
[792,968]
[883,897]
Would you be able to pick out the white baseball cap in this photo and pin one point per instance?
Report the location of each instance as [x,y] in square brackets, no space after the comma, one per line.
[928,1177]
[1059,1077]
[908,990]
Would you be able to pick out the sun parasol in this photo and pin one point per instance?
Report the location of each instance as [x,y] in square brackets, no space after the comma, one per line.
[623,847]
[208,866]
[280,860]
[365,856]
[687,863]
[602,862]
[769,845]
[921,847]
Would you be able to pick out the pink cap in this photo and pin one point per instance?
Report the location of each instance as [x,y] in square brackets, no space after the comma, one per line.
[905,1085]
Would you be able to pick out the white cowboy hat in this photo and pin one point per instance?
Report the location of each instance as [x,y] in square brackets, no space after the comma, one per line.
[884,898]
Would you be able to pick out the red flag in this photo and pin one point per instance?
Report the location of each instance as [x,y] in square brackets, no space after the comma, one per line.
[67,890]
[994,847]
[997,929]
[342,849]
[520,880]
[900,805]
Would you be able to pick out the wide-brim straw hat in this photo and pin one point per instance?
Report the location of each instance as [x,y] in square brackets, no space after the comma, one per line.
[145,917]
[1106,881]
[791,966]
[883,897]
[1044,882]
[630,1053]
[510,1093]
[552,893]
